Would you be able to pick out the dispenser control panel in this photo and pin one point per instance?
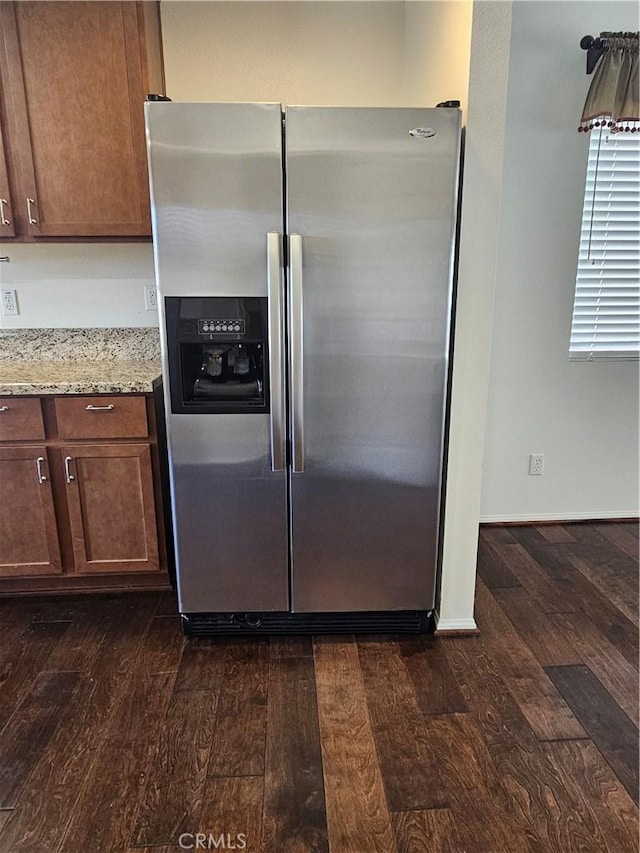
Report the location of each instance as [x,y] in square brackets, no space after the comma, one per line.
[221,327]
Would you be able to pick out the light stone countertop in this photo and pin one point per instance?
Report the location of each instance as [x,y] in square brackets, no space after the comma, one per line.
[78,361]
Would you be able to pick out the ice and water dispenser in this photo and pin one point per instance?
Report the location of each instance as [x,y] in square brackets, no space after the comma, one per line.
[217,349]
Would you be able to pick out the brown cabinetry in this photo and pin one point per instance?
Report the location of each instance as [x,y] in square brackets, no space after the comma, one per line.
[6,212]
[111,508]
[81,495]
[28,529]
[74,78]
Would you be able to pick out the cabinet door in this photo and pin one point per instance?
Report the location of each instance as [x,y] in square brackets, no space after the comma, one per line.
[75,74]
[28,531]
[111,507]
[6,214]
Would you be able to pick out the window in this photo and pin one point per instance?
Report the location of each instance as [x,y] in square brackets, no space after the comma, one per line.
[606,311]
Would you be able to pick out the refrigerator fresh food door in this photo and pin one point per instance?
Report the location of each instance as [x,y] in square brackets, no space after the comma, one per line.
[371,208]
[216,181]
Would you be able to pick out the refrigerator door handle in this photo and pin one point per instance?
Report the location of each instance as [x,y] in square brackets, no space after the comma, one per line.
[276,338]
[296,365]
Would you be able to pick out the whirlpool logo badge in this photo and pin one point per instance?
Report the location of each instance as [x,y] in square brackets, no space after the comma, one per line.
[422,132]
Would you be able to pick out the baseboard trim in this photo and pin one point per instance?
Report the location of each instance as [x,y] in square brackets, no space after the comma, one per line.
[455,627]
[559,518]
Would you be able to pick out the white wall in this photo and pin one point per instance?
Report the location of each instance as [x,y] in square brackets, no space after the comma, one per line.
[481,197]
[437,45]
[332,53]
[78,285]
[583,416]
[342,53]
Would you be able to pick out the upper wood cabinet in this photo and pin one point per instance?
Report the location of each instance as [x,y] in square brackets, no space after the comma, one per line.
[6,213]
[74,79]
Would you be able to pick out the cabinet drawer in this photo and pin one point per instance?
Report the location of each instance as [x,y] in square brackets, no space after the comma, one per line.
[21,419]
[102,417]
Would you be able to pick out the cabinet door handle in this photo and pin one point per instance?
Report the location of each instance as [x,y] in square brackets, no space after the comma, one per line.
[67,469]
[92,408]
[4,408]
[30,218]
[3,219]
[42,477]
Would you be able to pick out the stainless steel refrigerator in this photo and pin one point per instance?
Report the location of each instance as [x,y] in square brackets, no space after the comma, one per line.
[304,260]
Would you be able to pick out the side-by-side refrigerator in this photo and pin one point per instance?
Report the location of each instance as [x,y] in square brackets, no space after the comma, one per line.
[304,260]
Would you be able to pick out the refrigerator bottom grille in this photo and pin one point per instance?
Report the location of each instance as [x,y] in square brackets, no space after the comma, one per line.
[376,622]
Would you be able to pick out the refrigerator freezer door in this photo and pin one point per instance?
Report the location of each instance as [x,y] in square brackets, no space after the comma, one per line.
[216,179]
[372,194]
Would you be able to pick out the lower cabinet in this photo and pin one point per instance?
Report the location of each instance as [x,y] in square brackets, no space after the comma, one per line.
[111,507]
[81,503]
[29,542]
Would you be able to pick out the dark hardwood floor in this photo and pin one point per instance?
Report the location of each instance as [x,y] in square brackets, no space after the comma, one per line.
[118,736]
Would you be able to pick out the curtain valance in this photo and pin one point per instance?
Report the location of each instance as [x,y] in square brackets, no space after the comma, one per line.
[612,100]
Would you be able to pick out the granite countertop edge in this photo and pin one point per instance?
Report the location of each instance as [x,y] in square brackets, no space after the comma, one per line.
[25,389]
[88,361]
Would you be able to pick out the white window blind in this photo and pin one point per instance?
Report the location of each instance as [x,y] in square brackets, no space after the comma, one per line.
[606,311]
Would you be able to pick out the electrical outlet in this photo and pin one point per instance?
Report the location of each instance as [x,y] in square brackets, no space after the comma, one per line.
[536,464]
[9,303]
[150,297]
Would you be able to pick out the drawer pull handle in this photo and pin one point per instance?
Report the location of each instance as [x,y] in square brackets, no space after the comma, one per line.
[92,408]
[4,408]
[67,469]
[42,477]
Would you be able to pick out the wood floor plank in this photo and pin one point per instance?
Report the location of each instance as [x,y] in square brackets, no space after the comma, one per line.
[632,527]
[18,672]
[536,791]
[610,667]
[357,814]
[4,817]
[620,536]
[608,726]
[434,683]
[173,795]
[232,810]
[119,768]
[168,604]
[611,622]
[294,817]
[79,644]
[550,646]
[239,738]
[547,712]
[202,663]
[426,831]
[498,533]
[46,804]
[550,596]
[586,533]
[163,645]
[605,808]
[291,647]
[484,815]
[47,800]
[620,589]
[555,533]
[492,568]
[16,615]
[410,769]
[27,733]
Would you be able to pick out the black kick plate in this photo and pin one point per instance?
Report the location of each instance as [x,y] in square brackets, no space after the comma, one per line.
[374,622]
